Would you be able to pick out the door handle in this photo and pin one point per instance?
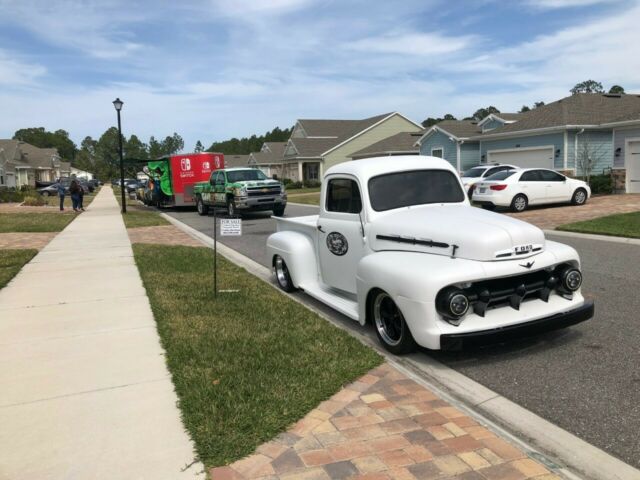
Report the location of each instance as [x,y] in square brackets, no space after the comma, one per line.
[319,227]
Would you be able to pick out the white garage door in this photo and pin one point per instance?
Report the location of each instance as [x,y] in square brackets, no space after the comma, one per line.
[530,158]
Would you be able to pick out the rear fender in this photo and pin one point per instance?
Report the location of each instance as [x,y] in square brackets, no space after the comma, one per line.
[298,252]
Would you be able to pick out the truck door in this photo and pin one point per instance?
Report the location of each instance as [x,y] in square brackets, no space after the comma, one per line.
[219,195]
[340,239]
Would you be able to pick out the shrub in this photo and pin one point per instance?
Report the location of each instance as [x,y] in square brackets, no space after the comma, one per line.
[294,185]
[287,181]
[10,195]
[33,201]
[312,184]
[601,184]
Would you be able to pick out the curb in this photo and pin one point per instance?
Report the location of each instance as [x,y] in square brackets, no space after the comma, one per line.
[560,451]
[592,236]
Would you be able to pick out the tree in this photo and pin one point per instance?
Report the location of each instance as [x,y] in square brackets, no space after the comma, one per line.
[86,156]
[39,137]
[432,121]
[588,86]
[616,89]
[538,104]
[588,155]
[246,145]
[107,154]
[199,147]
[524,109]
[135,148]
[484,112]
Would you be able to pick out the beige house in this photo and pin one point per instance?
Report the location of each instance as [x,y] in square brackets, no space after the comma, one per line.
[269,158]
[403,143]
[234,161]
[23,164]
[316,145]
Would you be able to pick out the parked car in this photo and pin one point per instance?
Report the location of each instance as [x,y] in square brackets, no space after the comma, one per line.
[532,186]
[51,190]
[86,186]
[480,172]
[398,244]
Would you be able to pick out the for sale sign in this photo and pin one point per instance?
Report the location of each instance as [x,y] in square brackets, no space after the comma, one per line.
[230,227]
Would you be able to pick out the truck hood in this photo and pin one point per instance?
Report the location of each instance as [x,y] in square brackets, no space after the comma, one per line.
[258,183]
[456,230]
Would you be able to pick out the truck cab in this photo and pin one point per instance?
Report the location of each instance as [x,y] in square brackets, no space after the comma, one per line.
[397,243]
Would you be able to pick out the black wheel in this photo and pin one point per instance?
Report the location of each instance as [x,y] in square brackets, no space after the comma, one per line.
[201,207]
[579,197]
[282,274]
[231,207]
[45,194]
[278,212]
[519,203]
[391,328]
[470,193]
[489,207]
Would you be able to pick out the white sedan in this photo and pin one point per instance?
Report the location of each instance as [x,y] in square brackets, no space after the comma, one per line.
[481,172]
[518,189]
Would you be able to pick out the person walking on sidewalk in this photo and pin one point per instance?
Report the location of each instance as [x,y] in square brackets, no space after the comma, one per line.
[61,193]
[81,198]
[74,190]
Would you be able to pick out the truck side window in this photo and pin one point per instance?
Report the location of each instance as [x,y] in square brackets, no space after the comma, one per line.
[343,195]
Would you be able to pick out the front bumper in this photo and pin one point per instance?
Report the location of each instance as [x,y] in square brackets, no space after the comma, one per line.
[456,341]
[261,203]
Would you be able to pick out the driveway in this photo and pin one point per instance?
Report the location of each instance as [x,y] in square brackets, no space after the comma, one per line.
[549,217]
[584,379]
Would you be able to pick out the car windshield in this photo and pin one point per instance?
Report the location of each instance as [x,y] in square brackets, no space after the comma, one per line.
[474,172]
[415,187]
[251,174]
[501,175]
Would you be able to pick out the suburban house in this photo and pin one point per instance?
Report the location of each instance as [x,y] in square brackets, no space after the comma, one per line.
[316,145]
[586,132]
[234,161]
[403,143]
[23,164]
[269,158]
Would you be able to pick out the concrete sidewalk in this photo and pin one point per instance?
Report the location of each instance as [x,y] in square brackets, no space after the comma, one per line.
[84,389]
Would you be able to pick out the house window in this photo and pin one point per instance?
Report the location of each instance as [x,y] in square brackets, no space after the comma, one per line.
[1,176]
[437,152]
[312,172]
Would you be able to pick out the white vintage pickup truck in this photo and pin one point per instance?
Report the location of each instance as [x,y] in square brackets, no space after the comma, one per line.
[397,243]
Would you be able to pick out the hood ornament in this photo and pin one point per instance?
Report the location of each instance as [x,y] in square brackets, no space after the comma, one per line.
[527,265]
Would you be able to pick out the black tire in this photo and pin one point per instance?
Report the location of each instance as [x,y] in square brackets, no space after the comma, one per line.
[519,203]
[579,197]
[45,194]
[278,212]
[283,277]
[489,207]
[201,207]
[470,193]
[389,323]
[231,207]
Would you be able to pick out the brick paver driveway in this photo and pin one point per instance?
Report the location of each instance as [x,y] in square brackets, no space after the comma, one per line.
[549,217]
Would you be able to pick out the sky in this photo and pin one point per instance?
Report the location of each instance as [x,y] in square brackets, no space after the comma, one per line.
[215,69]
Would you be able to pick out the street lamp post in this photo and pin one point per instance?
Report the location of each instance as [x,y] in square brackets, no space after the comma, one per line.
[118,104]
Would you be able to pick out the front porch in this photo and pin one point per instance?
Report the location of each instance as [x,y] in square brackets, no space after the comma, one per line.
[303,170]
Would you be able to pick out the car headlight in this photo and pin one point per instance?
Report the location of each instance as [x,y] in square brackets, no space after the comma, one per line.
[240,191]
[452,303]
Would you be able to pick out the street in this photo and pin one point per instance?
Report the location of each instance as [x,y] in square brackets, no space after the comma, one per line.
[583,379]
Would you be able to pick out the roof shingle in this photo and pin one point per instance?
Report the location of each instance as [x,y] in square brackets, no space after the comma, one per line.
[403,142]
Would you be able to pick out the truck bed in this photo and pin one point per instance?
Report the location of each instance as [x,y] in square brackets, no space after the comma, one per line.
[306,224]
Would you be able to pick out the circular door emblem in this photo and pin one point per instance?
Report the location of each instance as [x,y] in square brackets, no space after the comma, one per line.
[337,243]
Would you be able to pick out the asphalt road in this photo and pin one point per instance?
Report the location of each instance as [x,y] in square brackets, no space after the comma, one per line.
[585,379]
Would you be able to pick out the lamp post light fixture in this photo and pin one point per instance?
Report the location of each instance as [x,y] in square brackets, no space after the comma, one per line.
[117,103]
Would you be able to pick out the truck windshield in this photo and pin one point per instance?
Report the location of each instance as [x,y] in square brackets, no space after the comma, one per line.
[251,174]
[416,187]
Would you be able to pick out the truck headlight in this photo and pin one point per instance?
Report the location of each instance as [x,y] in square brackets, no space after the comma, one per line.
[570,279]
[452,303]
[240,191]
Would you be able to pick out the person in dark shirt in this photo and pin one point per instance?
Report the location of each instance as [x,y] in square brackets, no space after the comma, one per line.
[61,194]
[74,190]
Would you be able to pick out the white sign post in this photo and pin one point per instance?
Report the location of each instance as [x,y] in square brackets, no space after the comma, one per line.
[229,227]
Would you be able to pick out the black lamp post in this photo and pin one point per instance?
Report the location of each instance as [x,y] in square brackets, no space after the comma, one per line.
[118,104]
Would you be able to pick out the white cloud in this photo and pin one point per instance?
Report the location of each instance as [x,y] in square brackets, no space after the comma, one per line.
[413,43]
[557,4]
[243,8]
[15,72]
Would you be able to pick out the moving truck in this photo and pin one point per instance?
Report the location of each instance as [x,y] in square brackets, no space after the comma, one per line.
[171,179]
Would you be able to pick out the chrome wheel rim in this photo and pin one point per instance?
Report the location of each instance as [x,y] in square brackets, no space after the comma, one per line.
[388,319]
[520,203]
[200,209]
[282,273]
[231,209]
[580,197]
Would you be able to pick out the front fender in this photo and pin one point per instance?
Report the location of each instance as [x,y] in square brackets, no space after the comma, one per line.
[298,252]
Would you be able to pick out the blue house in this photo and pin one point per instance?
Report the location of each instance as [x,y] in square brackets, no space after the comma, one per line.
[584,132]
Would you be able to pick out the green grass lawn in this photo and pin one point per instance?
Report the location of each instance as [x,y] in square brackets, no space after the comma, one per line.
[621,225]
[11,261]
[309,198]
[135,218]
[302,191]
[35,222]
[247,365]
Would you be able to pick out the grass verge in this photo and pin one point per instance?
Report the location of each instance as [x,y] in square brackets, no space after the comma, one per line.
[620,225]
[247,365]
[138,215]
[302,191]
[309,198]
[11,261]
[34,222]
